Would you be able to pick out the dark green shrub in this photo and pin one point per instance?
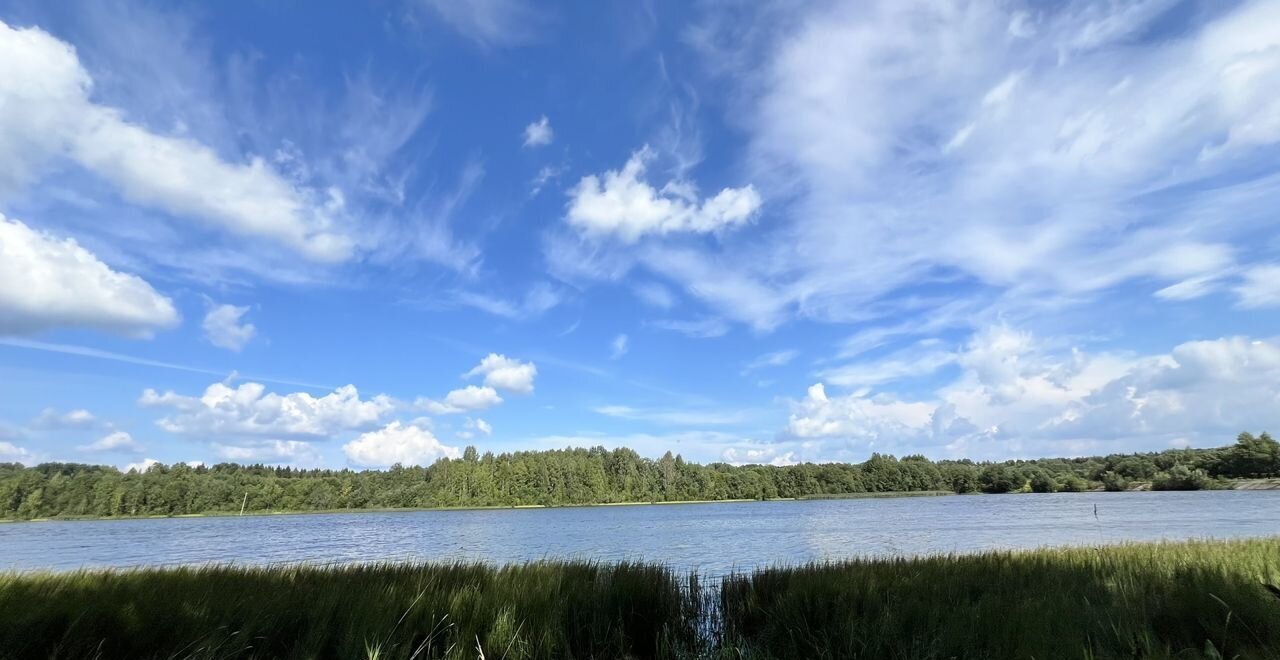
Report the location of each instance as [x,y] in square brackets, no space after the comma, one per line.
[1181,477]
[1041,482]
[1113,482]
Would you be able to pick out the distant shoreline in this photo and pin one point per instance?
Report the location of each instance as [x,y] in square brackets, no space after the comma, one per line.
[1241,484]
[504,507]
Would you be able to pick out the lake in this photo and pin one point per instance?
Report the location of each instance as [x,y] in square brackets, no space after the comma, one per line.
[713,538]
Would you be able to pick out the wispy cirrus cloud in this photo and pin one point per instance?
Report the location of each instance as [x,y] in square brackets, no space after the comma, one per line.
[987,157]
[492,23]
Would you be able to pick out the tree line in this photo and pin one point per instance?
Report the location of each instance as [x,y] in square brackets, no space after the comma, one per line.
[590,476]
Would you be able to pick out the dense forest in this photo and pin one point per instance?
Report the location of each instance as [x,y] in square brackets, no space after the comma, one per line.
[590,476]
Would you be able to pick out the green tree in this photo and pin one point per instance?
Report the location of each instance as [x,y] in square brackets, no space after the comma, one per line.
[1041,482]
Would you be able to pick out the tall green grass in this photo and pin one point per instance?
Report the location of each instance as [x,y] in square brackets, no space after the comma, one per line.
[540,610]
[1183,600]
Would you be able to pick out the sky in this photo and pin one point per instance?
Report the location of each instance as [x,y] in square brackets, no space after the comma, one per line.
[360,234]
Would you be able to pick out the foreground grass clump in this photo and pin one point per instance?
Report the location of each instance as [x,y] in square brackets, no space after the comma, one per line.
[1176,600]
[540,610]
[1183,600]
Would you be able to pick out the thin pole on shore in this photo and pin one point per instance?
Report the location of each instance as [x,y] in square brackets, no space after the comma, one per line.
[244,502]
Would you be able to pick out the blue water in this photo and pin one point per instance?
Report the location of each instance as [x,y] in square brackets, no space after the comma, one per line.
[713,538]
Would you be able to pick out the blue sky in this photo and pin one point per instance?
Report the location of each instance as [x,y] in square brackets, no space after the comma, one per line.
[327,235]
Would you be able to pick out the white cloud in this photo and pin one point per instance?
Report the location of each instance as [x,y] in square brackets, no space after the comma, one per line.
[1260,287]
[618,347]
[48,282]
[85,351]
[774,359]
[1190,288]
[540,298]
[505,373]
[491,22]
[475,426]
[394,443]
[623,204]
[758,456]
[11,453]
[538,133]
[856,417]
[293,452]
[918,360]
[701,446]
[690,417]
[916,142]
[116,441]
[222,327]
[46,115]
[141,466]
[249,409]
[706,328]
[500,373]
[1019,397]
[545,175]
[461,400]
[473,398]
[655,295]
[78,418]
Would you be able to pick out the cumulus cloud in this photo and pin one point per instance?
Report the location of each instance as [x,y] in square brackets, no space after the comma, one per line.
[50,418]
[293,452]
[48,282]
[856,417]
[758,456]
[499,372]
[248,409]
[11,453]
[141,466]
[46,114]
[621,203]
[224,329]
[397,443]
[1016,396]
[118,441]
[462,400]
[538,133]
[505,373]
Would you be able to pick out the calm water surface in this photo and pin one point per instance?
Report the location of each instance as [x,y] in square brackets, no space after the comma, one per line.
[709,537]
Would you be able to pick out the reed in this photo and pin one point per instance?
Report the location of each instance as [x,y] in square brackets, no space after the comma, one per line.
[1183,600]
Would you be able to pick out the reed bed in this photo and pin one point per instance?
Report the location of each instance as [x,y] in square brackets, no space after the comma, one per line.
[1205,599]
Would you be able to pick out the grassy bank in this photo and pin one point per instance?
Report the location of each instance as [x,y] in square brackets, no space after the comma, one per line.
[1185,600]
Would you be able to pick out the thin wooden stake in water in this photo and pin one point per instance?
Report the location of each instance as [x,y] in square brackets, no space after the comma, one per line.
[244,502]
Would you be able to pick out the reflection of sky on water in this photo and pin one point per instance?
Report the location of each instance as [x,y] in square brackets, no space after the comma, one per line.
[709,537]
